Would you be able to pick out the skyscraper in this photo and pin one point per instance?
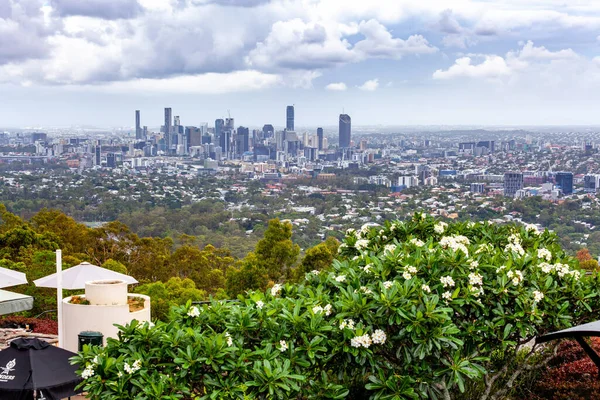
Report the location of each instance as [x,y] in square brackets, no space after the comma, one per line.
[219,123]
[138,126]
[168,129]
[289,118]
[564,180]
[513,181]
[320,137]
[345,130]
[242,140]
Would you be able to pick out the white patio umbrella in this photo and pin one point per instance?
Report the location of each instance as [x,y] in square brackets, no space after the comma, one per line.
[76,277]
[8,278]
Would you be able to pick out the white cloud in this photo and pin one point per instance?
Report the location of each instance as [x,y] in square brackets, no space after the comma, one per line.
[370,85]
[338,87]
[494,66]
[296,44]
[491,67]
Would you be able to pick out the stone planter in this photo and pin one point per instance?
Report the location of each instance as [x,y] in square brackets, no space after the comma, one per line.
[106,292]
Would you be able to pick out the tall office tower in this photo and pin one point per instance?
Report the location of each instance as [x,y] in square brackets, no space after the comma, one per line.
[193,136]
[138,127]
[177,121]
[280,140]
[219,124]
[564,180]
[268,131]
[229,124]
[97,152]
[168,129]
[289,115]
[345,130]
[110,160]
[145,133]
[243,138]
[320,136]
[513,181]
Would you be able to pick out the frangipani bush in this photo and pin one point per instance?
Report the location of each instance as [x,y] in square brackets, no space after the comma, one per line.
[415,309]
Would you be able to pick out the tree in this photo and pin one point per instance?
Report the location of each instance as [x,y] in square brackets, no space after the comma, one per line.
[164,296]
[115,266]
[411,310]
[275,252]
[250,276]
[317,258]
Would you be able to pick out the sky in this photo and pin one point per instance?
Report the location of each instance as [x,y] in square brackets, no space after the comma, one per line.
[384,62]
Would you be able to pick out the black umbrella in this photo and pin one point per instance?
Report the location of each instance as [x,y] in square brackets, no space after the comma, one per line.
[33,365]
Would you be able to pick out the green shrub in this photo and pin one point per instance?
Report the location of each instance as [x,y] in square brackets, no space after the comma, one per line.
[415,309]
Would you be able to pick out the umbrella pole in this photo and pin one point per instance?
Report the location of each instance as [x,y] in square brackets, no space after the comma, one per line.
[59,296]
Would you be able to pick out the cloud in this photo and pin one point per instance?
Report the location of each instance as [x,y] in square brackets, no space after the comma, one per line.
[296,44]
[239,3]
[24,31]
[338,87]
[526,58]
[379,43]
[370,85]
[449,24]
[491,67]
[105,9]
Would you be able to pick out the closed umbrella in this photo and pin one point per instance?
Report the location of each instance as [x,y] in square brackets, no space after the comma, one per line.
[76,277]
[8,278]
[31,366]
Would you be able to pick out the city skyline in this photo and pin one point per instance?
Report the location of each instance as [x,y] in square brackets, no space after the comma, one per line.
[384,62]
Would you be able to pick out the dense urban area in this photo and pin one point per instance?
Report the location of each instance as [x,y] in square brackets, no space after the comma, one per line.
[222,184]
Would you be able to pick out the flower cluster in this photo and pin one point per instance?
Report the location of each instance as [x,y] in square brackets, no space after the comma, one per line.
[367,268]
[229,339]
[544,254]
[341,278]
[560,269]
[361,244]
[537,296]
[389,248]
[417,242]
[447,296]
[440,227]
[514,245]
[347,324]
[276,289]
[516,276]
[532,229]
[88,372]
[260,304]
[283,346]
[426,288]
[409,271]
[326,310]
[365,290]
[133,368]
[475,279]
[388,284]
[447,281]
[193,312]
[473,265]
[455,242]
[378,337]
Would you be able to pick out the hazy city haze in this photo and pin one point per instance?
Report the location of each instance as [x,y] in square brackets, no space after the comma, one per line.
[66,62]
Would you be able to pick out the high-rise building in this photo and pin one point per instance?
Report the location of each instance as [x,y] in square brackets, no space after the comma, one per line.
[97,152]
[289,118]
[268,131]
[345,130]
[110,160]
[513,181]
[591,183]
[242,140]
[193,136]
[564,180]
[320,136]
[219,124]
[138,127]
[168,129]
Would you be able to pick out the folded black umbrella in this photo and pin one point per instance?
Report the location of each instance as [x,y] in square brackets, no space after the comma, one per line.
[33,365]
